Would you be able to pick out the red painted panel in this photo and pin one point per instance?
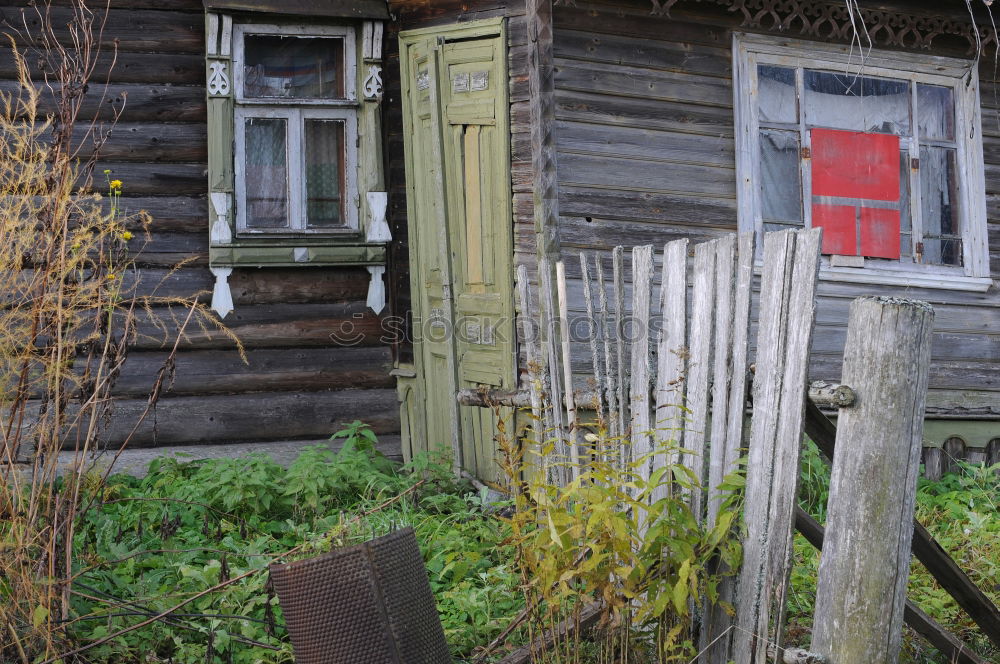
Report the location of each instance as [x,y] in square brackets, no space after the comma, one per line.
[851,164]
[839,228]
[880,233]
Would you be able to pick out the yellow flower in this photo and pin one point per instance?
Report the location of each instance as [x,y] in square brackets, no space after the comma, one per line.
[116,184]
[126,236]
[112,276]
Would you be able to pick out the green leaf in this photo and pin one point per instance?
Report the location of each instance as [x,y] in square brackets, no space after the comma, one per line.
[39,615]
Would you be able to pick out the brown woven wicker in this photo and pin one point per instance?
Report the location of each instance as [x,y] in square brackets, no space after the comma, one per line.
[364,604]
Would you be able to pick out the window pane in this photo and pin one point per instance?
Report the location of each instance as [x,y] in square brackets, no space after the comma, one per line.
[845,101]
[776,86]
[936,112]
[293,67]
[939,204]
[781,192]
[266,177]
[324,141]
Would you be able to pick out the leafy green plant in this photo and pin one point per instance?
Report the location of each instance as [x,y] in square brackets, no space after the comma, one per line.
[189,525]
[615,539]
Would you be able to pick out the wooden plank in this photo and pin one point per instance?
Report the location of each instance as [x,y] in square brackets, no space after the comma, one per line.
[648,84]
[556,424]
[672,354]
[217,371]
[927,550]
[641,379]
[621,350]
[158,68]
[249,417]
[534,365]
[699,367]
[791,264]
[863,572]
[722,373]
[138,102]
[641,175]
[594,330]
[571,438]
[610,386]
[936,635]
[680,116]
[595,43]
[654,145]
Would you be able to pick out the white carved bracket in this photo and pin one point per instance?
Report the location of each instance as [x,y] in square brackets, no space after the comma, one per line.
[378,229]
[222,297]
[373,83]
[218,79]
[376,288]
[221,233]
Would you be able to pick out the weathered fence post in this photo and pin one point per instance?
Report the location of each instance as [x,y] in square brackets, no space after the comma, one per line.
[866,554]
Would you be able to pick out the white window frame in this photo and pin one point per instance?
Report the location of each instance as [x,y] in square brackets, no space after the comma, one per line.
[296,112]
[960,75]
[295,156]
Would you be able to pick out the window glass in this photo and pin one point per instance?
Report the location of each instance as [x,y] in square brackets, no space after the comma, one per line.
[285,67]
[936,112]
[776,86]
[939,203]
[266,173]
[781,193]
[857,103]
[324,143]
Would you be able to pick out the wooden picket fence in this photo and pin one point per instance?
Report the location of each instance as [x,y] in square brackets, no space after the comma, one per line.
[658,370]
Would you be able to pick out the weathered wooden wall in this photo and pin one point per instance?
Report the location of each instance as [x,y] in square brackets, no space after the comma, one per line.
[298,383]
[646,155]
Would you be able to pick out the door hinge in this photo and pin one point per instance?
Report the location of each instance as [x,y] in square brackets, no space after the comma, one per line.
[805,152]
[915,163]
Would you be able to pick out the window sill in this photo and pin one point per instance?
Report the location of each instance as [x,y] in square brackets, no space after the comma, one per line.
[912,278]
[312,254]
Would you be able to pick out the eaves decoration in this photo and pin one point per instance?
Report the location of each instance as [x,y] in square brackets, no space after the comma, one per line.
[833,20]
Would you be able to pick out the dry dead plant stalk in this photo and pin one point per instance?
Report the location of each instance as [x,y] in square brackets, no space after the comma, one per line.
[68,309]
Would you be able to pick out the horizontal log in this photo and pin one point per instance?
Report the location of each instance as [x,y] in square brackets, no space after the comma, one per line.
[638,112]
[595,43]
[189,420]
[135,102]
[654,145]
[143,178]
[347,325]
[157,68]
[652,85]
[208,372]
[822,393]
[142,30]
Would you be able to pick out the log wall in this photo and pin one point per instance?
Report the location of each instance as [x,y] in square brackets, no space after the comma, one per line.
[644,110]
[298,383]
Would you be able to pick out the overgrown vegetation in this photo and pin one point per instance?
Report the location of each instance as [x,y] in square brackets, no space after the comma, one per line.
[188,526]
[619,544]
[960,510]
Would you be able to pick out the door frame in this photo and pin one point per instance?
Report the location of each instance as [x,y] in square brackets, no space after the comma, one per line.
[415,387]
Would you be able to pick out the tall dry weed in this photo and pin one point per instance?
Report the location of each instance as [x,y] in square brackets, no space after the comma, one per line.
[68,309]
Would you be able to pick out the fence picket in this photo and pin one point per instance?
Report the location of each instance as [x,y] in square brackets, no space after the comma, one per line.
[791,263]
[621,353]
[699,365]
[671,355]
[608,386]
[533,354]
[593,333]
[571,439]
[555,425]
[639,404]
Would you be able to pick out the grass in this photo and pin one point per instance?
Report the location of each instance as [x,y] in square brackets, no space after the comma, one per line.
[189,525]
[960,511]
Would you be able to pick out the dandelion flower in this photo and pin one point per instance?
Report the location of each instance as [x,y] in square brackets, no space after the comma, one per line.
[116,184]
[126,236]
[112,276]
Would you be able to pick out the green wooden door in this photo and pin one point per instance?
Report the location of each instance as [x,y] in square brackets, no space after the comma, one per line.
[458,178]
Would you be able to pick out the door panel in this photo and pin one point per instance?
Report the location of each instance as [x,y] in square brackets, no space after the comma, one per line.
[461,241]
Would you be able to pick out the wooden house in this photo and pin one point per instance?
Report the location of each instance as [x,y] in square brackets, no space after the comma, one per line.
[313,159]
